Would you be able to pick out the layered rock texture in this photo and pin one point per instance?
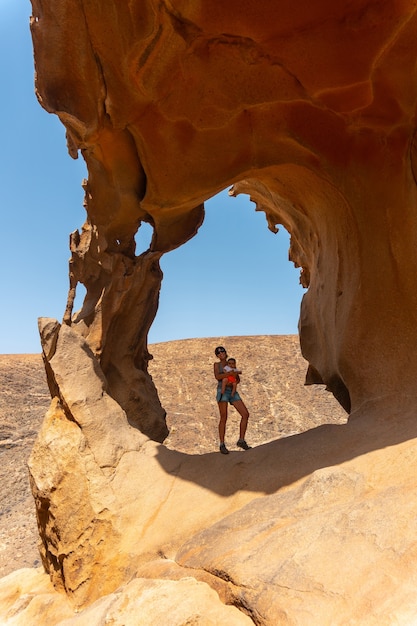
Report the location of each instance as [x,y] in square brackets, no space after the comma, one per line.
[311,111]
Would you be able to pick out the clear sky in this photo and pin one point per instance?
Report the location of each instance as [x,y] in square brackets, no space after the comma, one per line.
[41,203]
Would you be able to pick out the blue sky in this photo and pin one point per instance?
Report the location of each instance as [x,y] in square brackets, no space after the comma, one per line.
[41,203]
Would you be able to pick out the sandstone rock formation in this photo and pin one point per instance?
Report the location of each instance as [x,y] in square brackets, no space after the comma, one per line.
[312,113]
[315,528]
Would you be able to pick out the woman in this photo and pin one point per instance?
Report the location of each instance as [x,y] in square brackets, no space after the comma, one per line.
[225,398]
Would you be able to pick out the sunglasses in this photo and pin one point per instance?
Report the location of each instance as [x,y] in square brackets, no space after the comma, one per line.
[218,351]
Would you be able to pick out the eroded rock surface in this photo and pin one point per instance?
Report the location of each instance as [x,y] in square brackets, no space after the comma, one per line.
[315,528]
[312,113]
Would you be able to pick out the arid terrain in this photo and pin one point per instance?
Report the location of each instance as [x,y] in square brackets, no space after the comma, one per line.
[272,386]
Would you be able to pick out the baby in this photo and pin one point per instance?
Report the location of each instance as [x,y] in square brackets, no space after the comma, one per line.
[231,379]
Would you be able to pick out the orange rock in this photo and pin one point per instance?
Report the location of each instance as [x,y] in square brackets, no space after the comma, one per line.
[312,113]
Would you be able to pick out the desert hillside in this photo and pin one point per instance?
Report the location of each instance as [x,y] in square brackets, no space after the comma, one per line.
[272,387]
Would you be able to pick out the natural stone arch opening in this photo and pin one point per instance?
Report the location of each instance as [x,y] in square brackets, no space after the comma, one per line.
[123,289]
[205,300]
[94,315]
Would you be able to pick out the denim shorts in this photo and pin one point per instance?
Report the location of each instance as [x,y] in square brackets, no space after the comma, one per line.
[227,396]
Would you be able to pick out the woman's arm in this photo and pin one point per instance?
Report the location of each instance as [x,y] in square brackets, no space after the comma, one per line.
[217,374]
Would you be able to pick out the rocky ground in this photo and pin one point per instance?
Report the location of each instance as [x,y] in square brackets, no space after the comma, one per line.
[24,399]
[272,387]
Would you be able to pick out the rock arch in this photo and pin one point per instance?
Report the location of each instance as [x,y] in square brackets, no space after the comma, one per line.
[312,115]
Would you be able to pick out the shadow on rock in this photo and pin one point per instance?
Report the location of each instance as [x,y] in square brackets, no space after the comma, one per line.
[271,466]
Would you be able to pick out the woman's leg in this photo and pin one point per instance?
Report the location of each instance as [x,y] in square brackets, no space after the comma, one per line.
[223,420]
[244,413]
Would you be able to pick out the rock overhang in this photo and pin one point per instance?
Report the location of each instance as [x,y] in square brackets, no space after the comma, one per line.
[309,112]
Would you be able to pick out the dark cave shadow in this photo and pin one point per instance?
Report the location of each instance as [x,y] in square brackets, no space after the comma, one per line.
[271,466]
